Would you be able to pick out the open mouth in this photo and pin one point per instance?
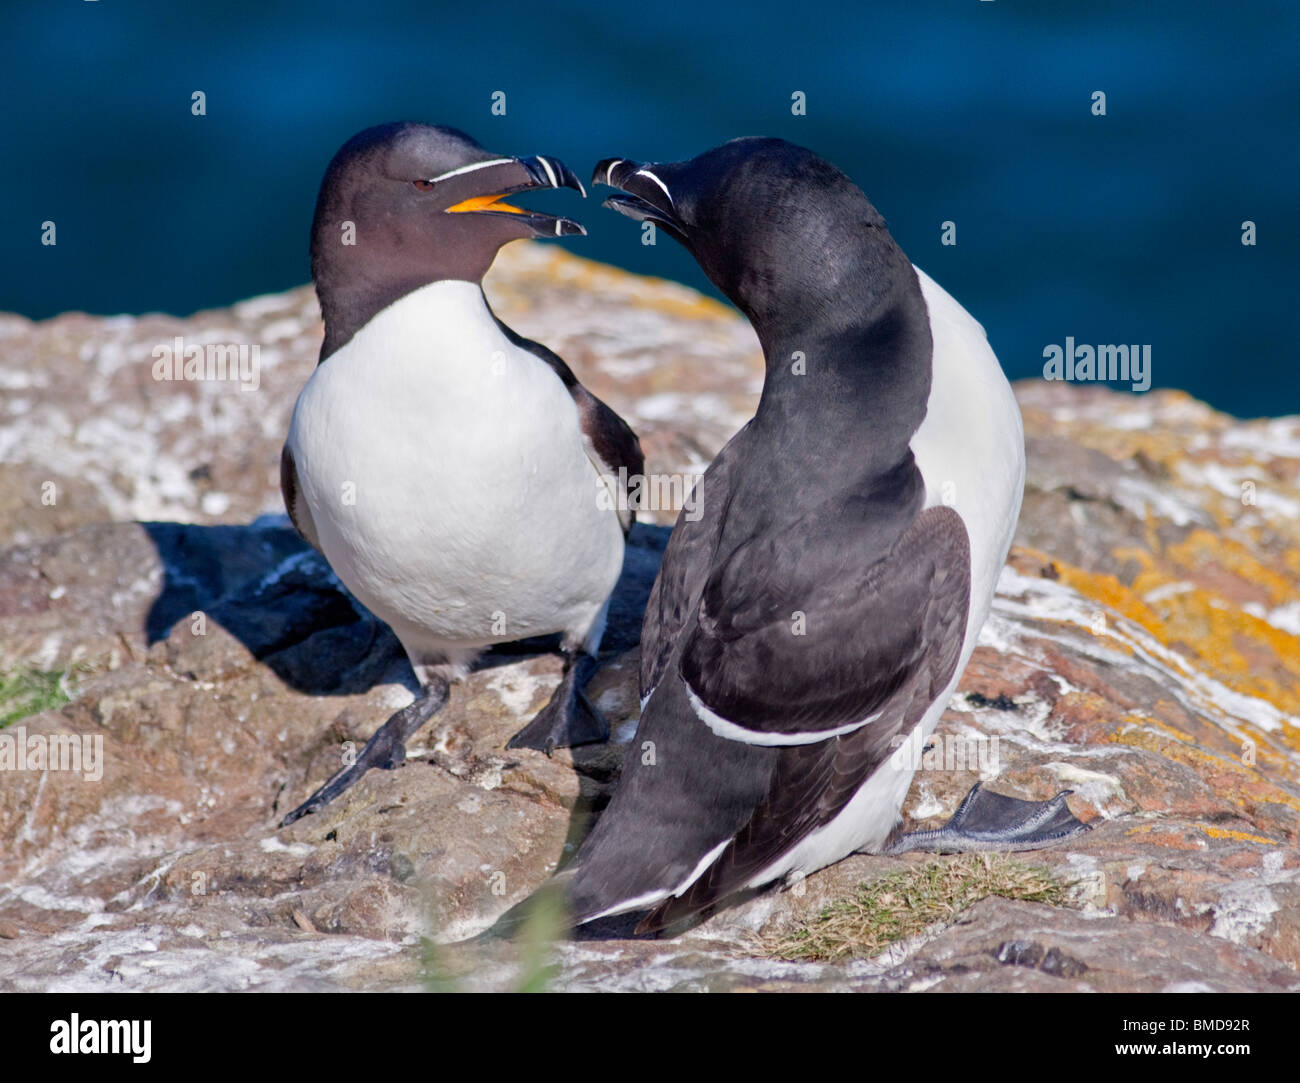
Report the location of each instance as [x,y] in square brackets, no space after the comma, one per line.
[485,203]
[527,174]
[643,197]
[632,206]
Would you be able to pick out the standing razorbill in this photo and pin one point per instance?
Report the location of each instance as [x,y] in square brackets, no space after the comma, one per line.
[447,468]
[818,613]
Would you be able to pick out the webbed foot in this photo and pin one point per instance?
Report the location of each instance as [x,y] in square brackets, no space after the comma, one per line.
[386,749]
[992,821]
[569,718]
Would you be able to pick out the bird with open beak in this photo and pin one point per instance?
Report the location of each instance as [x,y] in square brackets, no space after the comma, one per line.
[447,467]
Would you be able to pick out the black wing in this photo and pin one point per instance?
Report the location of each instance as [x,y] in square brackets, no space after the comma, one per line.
[885,648]
[610,440]
[675,596]
[801,631]
[299,513]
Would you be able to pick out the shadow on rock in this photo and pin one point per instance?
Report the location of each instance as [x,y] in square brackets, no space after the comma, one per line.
[278,597]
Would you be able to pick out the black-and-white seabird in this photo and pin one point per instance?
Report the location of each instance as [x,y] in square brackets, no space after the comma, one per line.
[447,468]
[806,631]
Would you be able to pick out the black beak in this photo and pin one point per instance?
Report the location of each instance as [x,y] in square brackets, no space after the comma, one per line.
[645,196]
[552,173]
[480,190]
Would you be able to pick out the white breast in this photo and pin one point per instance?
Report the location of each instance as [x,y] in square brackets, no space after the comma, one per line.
[445,472]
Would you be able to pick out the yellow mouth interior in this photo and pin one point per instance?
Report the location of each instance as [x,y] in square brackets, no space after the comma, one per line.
[484,203]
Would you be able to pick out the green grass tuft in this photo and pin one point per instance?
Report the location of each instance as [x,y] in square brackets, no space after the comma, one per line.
[905,903]
[25,692]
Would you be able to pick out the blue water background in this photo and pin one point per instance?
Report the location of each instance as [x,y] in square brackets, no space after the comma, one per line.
[1117,229]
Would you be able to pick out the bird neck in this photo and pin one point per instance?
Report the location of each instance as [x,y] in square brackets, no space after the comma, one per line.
[858,385]
[348,307]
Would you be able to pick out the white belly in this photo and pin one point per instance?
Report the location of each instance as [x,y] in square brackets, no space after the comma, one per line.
[445,473]
[971,451]
[971,446]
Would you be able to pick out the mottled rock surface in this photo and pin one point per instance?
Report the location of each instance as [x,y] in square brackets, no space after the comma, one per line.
[1144,650]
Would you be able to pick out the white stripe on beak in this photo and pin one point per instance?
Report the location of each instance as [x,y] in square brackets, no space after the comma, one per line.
[647,173]
[468,169]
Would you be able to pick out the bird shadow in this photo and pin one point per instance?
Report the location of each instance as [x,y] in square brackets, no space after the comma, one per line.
[277,596]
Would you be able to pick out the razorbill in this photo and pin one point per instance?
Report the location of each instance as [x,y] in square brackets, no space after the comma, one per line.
[447,468]
[807,629]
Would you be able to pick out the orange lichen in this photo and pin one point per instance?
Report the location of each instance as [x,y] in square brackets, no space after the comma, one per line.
[1163,836]
[1201,548]
[1227,641]
[1240,836]
[1250,787]
[1150,720]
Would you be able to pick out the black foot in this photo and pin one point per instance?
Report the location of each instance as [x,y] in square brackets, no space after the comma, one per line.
[992,821]
[386,749]
[569,719]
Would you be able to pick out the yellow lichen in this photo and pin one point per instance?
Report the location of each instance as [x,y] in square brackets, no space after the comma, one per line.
[1240,836]
[1252,787]
[1202,623]
[1201,548]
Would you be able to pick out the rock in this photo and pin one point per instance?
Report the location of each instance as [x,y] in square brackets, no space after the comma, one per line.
[1143,651]
[84,419]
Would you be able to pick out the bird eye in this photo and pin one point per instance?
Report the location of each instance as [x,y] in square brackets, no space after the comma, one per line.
[423,185]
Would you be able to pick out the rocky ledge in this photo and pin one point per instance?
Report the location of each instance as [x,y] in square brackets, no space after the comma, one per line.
[1143,651]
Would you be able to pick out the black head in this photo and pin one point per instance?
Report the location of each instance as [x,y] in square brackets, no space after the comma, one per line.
[403,205]
[803,253]
[776,228]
